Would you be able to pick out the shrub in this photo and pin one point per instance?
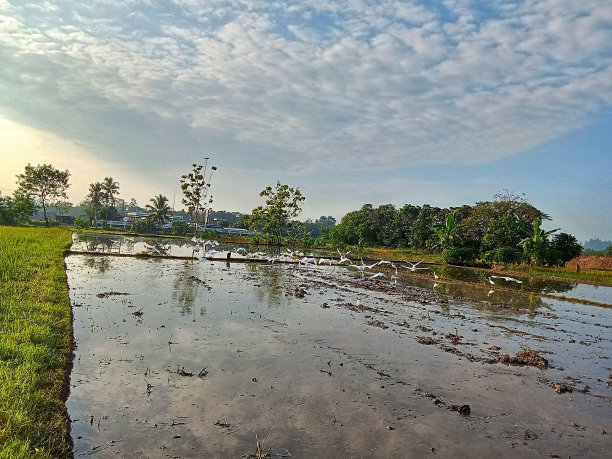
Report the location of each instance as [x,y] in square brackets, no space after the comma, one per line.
[79,223]
[144,227]
[507,254]
[459,256]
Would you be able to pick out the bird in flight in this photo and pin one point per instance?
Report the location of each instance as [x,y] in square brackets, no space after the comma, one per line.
[509,279]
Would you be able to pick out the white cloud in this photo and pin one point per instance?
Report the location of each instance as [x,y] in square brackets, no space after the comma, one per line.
[319,83]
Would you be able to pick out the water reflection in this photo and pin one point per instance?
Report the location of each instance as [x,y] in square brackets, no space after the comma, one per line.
[187,284]
[100,264]
[501,291]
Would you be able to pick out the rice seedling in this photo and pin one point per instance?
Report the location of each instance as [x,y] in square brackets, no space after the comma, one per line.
[35,342]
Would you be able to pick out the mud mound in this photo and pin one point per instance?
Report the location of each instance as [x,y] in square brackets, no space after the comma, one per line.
[525,357]
[590,262]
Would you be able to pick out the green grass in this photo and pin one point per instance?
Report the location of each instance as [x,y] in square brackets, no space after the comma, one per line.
[598,276]
[397,254]
[35,342]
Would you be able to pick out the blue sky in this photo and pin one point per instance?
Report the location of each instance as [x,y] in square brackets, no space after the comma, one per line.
[354,101]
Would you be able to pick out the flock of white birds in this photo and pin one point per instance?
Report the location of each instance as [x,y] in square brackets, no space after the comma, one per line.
[294,256]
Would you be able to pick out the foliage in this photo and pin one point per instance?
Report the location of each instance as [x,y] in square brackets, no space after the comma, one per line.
[536,249]
[145,226]
[566,245]
[180,228]
[502,223]
[321,226]
[16,210]
[35,334]
[608,251]
[110,188]
[282,204]
[43,183]
[159,208]
[81,224]
[448,232]
[422,234]
[506,254]
[195,191]
[459,256]
[95,199]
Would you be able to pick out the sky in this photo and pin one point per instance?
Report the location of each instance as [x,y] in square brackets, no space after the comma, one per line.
[353,101]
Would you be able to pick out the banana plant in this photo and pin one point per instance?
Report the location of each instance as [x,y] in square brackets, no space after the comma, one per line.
[536,247]
[448,232]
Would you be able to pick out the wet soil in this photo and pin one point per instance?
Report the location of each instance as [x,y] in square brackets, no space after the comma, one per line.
[317,362]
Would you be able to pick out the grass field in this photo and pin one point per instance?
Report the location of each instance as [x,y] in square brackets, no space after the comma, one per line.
[598,276]
[35,338]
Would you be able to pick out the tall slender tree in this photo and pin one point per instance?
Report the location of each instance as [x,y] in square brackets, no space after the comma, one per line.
[195,188]
[95,198]
[110,189]
[43,183]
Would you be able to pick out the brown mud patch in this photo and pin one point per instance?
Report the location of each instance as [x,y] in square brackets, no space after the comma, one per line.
[590,262]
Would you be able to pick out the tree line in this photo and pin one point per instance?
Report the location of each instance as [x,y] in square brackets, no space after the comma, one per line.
[507,229]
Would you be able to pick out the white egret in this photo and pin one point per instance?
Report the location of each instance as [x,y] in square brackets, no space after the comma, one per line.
[509,279]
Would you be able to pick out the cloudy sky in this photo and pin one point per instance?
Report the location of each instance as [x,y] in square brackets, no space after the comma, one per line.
[354,101]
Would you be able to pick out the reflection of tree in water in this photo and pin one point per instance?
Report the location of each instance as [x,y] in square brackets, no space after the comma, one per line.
[271,279]
[102,243]
[101,264]
[185,290]
[531,284]
[550,286]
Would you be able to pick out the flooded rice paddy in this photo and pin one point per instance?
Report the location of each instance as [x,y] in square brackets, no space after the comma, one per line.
[179,358]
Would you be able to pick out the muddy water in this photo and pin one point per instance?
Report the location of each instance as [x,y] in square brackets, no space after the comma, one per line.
[316,362]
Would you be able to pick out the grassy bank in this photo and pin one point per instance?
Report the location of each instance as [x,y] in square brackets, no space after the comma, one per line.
[596,276]
[35,337]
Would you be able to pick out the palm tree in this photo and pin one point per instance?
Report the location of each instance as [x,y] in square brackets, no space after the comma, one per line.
[160,209]
[110,189]
[95,196]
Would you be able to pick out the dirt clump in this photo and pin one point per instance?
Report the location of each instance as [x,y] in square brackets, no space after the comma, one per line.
[526,356]
[107,294]
[425,340]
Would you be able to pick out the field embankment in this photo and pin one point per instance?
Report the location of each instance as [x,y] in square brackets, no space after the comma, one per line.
[35,342]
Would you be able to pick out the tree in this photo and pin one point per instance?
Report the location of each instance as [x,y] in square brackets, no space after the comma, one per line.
[422,232]
[195,191]
[282,204]
[17,209]
[43,183]
[110,188]
[566,245]
[159,208]
[95,199]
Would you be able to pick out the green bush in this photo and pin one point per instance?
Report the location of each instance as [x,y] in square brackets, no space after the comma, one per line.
[79,223]
[459,256]
[507,254]
[144,227]
[181,228]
